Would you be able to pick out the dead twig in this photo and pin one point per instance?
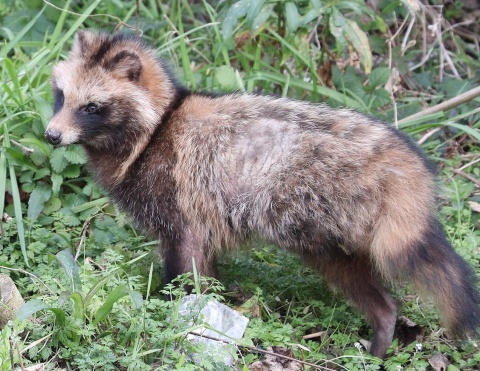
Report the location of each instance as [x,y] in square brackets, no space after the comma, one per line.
[473,162]
[120,23]
[29,274]
[253,349]
[446,105]
[467,176]
[428,135]
[24,149]
[82,238]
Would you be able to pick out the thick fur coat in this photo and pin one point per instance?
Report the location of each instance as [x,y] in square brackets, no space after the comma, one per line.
[353,196]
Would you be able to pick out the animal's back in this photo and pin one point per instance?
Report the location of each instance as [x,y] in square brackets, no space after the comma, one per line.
[299,174]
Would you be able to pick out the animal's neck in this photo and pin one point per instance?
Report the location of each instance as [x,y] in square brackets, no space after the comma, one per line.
[110,166]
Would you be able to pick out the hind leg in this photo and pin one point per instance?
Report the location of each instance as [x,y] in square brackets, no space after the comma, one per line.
[355,278]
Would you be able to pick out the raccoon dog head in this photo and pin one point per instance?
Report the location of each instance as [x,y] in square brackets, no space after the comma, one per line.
[111,89]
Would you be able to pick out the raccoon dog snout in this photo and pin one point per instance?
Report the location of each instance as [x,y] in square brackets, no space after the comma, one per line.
[53,136]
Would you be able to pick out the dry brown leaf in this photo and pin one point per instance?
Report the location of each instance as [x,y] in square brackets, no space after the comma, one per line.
[273,363]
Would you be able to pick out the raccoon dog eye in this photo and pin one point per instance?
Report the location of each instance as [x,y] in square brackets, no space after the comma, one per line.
[91,108]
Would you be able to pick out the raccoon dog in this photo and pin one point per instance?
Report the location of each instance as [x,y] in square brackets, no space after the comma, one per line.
[352,196]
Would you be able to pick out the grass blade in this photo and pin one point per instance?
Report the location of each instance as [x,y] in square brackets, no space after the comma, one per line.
[187,71]
[117,293]
[19,36]
[3,179]
[17,206]
[279,78]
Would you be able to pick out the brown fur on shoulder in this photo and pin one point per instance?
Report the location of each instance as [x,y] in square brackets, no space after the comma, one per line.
[351,195]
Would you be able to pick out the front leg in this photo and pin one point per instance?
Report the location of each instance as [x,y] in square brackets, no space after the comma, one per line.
[178,253]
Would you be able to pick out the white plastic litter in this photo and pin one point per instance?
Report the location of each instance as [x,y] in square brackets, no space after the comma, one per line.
[219,317]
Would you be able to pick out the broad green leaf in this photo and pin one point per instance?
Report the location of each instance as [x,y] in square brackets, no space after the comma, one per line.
[38,197]
[381,25]
[117,293]
[38,157]
[337,24]
[41,173]
[57,181]
[30,141]
[379,98]
[181,362]
[254,10]
[28,187]
[16,157]
[359,41]
[260,21]
[452,368]
[71,171]
[236,11]
[92,191]
[75,155]
[379,77]
[226,78]
[58,160]
[311,15]
[73,200]
[316,4]
[453,87]
[43,107]
[78,306]
[71,269]
[52,205]
[31,307]
[98,285]
[59,315]
[103,237]
[106,222]
[358,6]
[292,16]
[137,299]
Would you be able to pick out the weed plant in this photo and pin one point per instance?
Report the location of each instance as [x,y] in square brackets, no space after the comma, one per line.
[92,282]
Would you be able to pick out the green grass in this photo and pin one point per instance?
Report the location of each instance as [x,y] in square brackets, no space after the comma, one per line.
[105,308]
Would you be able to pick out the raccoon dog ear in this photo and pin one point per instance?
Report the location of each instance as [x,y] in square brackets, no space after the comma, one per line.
[81,42]
[125,64]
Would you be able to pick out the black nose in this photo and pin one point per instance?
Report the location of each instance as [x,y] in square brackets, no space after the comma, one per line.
[53,136]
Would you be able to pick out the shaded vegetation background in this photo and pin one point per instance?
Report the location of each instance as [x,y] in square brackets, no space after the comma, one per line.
[92,282]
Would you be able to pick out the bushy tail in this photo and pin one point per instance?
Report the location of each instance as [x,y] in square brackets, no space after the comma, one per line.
[439,272]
